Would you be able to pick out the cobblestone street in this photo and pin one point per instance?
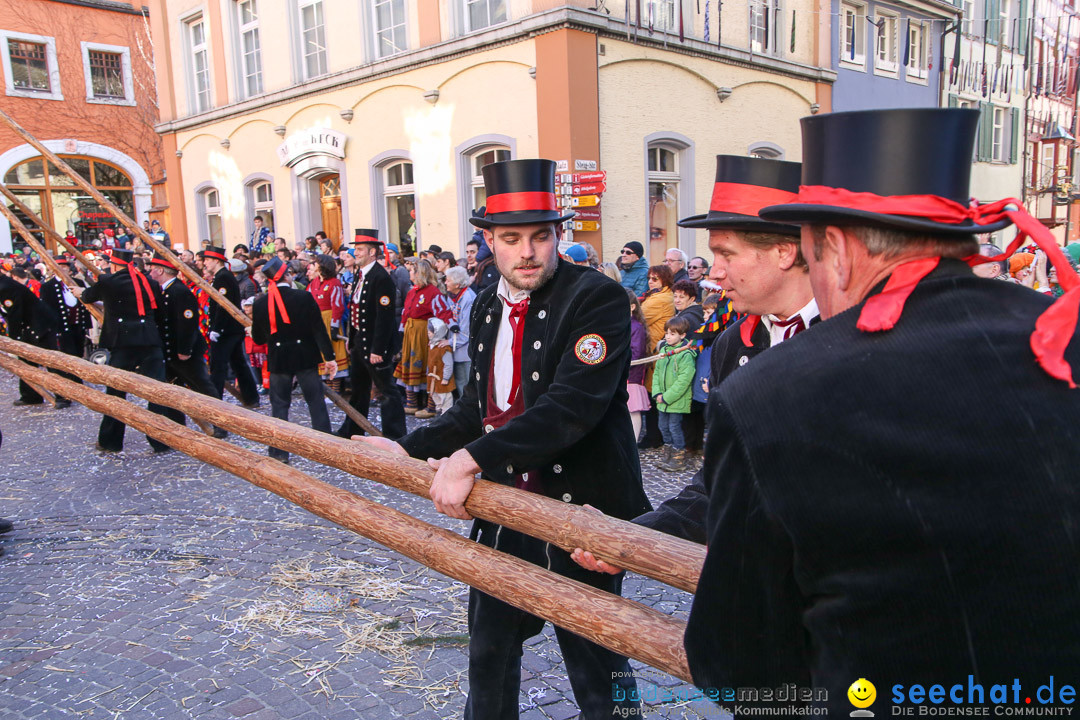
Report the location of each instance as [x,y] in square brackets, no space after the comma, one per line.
[154,586]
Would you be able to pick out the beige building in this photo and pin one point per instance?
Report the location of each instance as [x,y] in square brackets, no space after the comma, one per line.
[335,114]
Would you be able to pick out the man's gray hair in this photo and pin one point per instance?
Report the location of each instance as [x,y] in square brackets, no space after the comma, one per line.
[682,256]
[890,243]
[457,275]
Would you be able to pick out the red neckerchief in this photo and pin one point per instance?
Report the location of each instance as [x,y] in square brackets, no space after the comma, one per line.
[518,311]
[1055,326]
[137,278]
[746,330]
[276,303]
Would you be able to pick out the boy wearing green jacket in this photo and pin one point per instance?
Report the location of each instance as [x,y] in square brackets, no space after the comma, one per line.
[672,390]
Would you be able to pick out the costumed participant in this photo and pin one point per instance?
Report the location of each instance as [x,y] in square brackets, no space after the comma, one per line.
[326,288]
[30,320]
[545,410]
[289,323]
[425,300]
[371,332]
[75,320]
[860,523]
[440,376]
[185,348]
[226,332]
[134,307]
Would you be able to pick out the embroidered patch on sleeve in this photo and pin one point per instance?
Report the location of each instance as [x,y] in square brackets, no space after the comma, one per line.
[591,349]
[385,300]
[189,314]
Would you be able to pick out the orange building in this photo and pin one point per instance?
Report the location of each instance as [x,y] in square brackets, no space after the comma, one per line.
[78,75]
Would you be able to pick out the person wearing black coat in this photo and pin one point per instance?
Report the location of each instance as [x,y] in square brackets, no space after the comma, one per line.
[288,321]
[865,519]
[371,337]
[134,307]
[227,334]
[185,348]
[32,321]
[558,425]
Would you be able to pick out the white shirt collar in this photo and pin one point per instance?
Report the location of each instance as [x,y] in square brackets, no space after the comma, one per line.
[364,270]
[511,296]
[808,312]
[168,282]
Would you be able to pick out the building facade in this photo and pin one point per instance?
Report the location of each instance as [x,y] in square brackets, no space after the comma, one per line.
[78,75]
[334,115]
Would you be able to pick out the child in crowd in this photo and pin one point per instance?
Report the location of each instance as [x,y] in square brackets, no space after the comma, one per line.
[440,370]
[256,353]
[637,396]
[671,390]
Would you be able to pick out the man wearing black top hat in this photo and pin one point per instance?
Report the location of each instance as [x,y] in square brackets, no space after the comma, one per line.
[185,348]
[860,523]
[226,332]
[74,319]
[29,320]
[370,336]
[761,268]
[288,321]
[545,410]
[133,307]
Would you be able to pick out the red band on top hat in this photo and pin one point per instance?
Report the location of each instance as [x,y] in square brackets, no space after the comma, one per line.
[1054,329]
[744,199]
[520,201]
[366,238]
[211,253]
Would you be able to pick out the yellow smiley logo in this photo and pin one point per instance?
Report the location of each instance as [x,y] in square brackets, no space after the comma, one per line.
[862,693]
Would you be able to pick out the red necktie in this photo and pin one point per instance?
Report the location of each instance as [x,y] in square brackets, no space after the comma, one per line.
[791,326]
[517,317]
[276,303]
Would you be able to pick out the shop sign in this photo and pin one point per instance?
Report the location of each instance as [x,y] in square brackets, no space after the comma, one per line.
[587,214]
[587,226]
[317,141]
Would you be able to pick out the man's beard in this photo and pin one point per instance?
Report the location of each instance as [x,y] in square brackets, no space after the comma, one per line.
[533,283]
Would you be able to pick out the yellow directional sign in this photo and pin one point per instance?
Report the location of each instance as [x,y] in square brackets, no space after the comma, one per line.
[587,225]
[585,201]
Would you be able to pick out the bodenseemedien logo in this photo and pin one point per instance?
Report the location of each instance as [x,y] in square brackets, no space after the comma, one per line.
[862,694]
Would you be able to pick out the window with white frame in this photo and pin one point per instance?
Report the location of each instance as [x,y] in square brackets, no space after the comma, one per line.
[312,39]
[263,196]
[389,24]
[30,67]
[999,149]
[917,50]
[1047,172]
[479,14]
[211,202]
[477,161]
[400,203]
[766,150]
[665,181]
[107,69]
[765,26]
[885,44]
[853,34]
[247,13]
[969,16]
[1001,32]
[660,15]
[198,64]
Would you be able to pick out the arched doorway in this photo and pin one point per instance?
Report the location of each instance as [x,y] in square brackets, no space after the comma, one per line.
[330,197]
[55,198]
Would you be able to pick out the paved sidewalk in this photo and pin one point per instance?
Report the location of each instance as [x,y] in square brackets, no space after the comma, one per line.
[146,586]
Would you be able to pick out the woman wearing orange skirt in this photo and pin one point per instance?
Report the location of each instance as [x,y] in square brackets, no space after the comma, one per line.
[325,287]
[425,300]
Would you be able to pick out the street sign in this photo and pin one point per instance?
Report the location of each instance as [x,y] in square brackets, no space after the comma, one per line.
[588,189]
[587,214]
[586,165]
[587,226]
[562,165]
[584,201]
[583,177]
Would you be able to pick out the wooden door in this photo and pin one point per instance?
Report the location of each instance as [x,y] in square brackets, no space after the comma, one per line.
[330,194]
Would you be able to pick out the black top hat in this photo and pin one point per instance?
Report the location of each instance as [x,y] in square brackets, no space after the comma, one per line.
[272,267]
[889,153]
[164,262]
[217,253]
[121,256]
[743,186]
[520,192]
[367,236]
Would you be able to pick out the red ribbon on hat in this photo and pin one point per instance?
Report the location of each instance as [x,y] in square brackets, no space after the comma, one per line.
[277,304]
[519,201]
[1054,328]
[746,199]
[137,278]
[214,254]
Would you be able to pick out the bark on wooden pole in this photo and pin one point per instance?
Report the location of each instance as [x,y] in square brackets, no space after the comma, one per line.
[619,624]
[164,251]
[663,557]
[46,257]
[50,232]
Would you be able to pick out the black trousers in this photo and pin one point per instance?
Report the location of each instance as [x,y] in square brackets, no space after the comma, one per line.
[27,394]
[281,398]
[148,361]
[602,681]
[228,352]
[192,374]
[362,375]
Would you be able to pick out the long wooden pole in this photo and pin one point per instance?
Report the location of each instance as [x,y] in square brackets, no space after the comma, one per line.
[619,624]
[50,232]
[666,558]
[46,257]
[161,249]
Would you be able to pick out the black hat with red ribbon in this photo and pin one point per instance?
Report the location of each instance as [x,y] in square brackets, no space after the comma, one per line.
[520,192]
[121,256]
[743,186]
[163,261]
[366,236]
[218,253]
[906,169]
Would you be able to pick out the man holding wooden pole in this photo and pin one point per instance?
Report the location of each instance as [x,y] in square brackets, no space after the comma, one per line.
[31,321]
[226,332]
[545,410]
